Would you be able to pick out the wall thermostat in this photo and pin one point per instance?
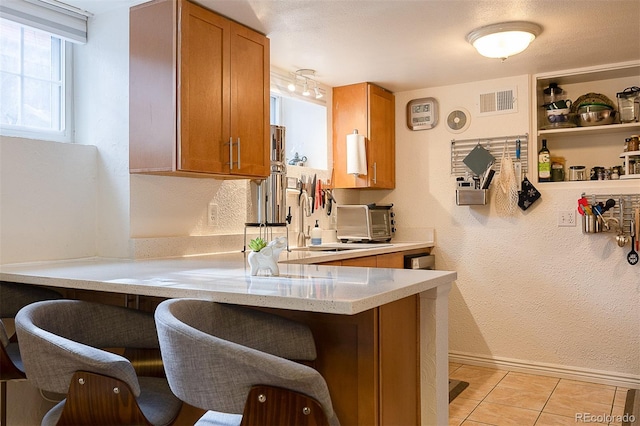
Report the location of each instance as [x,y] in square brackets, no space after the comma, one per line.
[422,114]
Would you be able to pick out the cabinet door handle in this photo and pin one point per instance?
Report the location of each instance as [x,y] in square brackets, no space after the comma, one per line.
[375,172]
[230,153]
[238,153]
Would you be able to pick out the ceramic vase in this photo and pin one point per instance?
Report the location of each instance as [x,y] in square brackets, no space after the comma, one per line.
[267,258]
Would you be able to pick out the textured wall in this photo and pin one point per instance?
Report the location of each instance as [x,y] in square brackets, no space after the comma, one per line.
[527,290]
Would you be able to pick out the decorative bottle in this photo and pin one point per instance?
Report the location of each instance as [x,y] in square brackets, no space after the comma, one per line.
[544,163]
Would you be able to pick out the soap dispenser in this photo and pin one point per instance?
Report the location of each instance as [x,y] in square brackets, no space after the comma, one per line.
[316,235]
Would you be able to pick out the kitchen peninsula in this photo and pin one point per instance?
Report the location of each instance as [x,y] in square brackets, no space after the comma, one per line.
[358,316]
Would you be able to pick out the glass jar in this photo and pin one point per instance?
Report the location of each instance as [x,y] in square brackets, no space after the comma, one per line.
[634,143]
[627,100]
[615,172]
[557,172]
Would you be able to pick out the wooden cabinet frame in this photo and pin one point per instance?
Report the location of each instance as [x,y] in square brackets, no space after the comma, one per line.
[371,110]
[199,93]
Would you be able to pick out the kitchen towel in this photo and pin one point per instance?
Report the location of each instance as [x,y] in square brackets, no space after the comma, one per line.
[528,195]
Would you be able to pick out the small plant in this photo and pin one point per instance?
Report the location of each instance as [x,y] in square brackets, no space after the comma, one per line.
[257,244]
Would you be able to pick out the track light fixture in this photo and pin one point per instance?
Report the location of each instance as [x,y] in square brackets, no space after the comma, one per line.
[304,79]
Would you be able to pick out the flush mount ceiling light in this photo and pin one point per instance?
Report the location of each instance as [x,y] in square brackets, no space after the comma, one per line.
[504,39]
[304,79]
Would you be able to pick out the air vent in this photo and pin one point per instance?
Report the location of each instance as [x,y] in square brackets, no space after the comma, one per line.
[499,102]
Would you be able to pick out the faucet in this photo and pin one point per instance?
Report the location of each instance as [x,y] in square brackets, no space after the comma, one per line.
[305,210]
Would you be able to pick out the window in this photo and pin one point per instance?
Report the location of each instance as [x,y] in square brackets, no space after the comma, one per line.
[33,83]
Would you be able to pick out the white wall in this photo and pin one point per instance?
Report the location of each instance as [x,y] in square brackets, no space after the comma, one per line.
[102,115]
[48,196]
[528,293]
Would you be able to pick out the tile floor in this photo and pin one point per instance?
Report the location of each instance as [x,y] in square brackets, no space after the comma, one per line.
[501,397]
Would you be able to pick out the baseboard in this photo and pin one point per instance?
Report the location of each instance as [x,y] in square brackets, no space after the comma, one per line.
[544,369]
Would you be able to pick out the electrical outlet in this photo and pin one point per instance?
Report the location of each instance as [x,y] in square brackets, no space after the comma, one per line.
[212,214]
[567,218]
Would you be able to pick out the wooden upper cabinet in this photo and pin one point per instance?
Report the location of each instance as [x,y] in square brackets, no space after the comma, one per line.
[371,110]
[199,93]
[250,101]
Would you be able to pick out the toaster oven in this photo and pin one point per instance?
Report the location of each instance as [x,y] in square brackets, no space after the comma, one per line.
[365,223]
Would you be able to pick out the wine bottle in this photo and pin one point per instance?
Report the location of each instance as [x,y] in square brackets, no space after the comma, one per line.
[544,163]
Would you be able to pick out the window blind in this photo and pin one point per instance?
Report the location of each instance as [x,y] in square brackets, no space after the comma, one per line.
[49,16]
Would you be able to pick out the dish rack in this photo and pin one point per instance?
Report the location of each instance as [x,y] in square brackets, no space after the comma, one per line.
[623,211]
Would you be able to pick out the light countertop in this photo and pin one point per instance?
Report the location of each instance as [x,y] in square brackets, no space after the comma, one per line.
[225,277]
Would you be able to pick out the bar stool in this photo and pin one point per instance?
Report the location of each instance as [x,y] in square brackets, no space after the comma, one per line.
[236,362]
[62,344]
[13,297]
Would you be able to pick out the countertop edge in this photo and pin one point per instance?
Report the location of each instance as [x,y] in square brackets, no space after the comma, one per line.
[311,257]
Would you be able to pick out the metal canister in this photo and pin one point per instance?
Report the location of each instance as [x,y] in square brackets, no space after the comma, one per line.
[597,173]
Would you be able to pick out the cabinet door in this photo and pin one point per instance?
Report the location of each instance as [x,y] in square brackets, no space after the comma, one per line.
[390,260]
[250,129]
[381,155]
[364,262]
[204,92]
[371,110]
[349,113]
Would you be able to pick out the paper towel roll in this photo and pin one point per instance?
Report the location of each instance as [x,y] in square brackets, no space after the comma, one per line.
[356,155]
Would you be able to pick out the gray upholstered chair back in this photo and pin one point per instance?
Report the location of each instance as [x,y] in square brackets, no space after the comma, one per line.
[14,296]
[214,353]
[59,337]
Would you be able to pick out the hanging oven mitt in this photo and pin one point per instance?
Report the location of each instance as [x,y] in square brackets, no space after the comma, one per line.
[528,195]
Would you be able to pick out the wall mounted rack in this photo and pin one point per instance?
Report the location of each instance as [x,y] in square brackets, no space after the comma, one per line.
[623,211]
[495,145]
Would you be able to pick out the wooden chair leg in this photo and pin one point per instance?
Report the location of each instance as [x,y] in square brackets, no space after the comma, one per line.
[100,400]
[270,405]
[8,371]
[3,403]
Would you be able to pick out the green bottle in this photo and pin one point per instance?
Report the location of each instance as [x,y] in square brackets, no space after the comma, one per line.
[544,163]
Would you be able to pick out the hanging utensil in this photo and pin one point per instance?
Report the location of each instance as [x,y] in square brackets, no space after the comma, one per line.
[330,201]
[632,257]
[318,197]
[517,165]
[313,193]
[637,220]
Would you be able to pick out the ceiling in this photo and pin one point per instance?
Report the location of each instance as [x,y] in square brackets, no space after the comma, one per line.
[406,45]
